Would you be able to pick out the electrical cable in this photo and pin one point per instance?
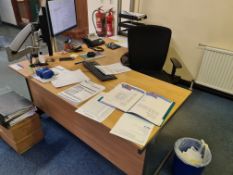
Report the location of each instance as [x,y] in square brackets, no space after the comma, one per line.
[93,13]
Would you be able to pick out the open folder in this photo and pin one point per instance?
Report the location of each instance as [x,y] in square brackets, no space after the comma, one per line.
[147,105]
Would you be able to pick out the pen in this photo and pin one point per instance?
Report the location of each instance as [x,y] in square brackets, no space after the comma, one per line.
[79,62]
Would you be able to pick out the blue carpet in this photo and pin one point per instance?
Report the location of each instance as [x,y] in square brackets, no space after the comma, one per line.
[60,153]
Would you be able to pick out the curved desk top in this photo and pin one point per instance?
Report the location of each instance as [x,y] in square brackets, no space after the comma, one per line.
[170,91]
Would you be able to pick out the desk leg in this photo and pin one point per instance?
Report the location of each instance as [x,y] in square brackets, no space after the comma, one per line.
[163,162]
[158,151]
[156,155]
[29,90]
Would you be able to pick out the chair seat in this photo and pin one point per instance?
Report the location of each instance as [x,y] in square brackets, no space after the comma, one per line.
[162,75]
[157,74]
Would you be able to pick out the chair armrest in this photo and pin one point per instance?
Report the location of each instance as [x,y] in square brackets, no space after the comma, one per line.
[125,59]
[176,65]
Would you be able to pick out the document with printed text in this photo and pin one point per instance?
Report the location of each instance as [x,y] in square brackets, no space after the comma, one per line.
[81,92]
[113,69]
[152,107]
[132,128]
[147,105]
[123,96]
[120,40]
[95,110]
[67,78]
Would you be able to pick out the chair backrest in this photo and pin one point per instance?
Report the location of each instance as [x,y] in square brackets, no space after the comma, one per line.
[148,46]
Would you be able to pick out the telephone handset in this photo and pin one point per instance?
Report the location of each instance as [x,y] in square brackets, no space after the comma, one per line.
[92,41]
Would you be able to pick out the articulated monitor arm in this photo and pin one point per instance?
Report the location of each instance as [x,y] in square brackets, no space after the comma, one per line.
[14,52]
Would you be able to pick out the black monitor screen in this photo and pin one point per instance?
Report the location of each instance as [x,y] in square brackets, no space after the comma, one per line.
[62,15]
[45,29]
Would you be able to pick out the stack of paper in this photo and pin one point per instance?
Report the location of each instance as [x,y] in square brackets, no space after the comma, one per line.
[95,110]
[112,69]
[23,116]
[14,108]
[81,92]
[67,78]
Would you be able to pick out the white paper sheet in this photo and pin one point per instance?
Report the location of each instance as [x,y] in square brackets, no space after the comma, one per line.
[123,96]
[138,15]
[16,67]
[23,116]
[112,69]
[152,107]
[81,92]
[147,105]
[42,80]
[133,128]
[56,70]
[95,110]
[59,69]
[66,78]
[120,40]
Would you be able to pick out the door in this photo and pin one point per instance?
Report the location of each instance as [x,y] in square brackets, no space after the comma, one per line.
[25,11]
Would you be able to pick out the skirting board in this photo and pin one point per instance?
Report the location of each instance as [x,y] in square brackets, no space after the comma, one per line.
[206,89]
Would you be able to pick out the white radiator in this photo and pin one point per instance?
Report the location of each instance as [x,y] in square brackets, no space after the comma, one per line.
[216,70]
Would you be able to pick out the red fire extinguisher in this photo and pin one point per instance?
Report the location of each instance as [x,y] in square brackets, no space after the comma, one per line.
[100,21]
[110,23]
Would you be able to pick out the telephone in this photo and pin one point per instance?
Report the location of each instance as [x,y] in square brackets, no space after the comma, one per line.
[92,40]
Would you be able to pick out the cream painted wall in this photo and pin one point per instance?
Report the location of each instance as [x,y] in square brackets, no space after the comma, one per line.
[192,22]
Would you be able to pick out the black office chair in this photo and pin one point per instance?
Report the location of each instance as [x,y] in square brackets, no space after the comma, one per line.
[147,51]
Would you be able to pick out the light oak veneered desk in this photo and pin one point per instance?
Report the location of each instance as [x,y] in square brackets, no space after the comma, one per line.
[129,157]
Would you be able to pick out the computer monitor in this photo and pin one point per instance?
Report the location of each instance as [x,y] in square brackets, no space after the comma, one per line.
[44,26]
[62,14]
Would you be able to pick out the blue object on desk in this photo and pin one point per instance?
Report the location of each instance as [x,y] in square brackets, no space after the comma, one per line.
[44,73]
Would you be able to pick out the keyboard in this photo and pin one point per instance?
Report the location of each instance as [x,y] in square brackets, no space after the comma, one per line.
[100,75]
